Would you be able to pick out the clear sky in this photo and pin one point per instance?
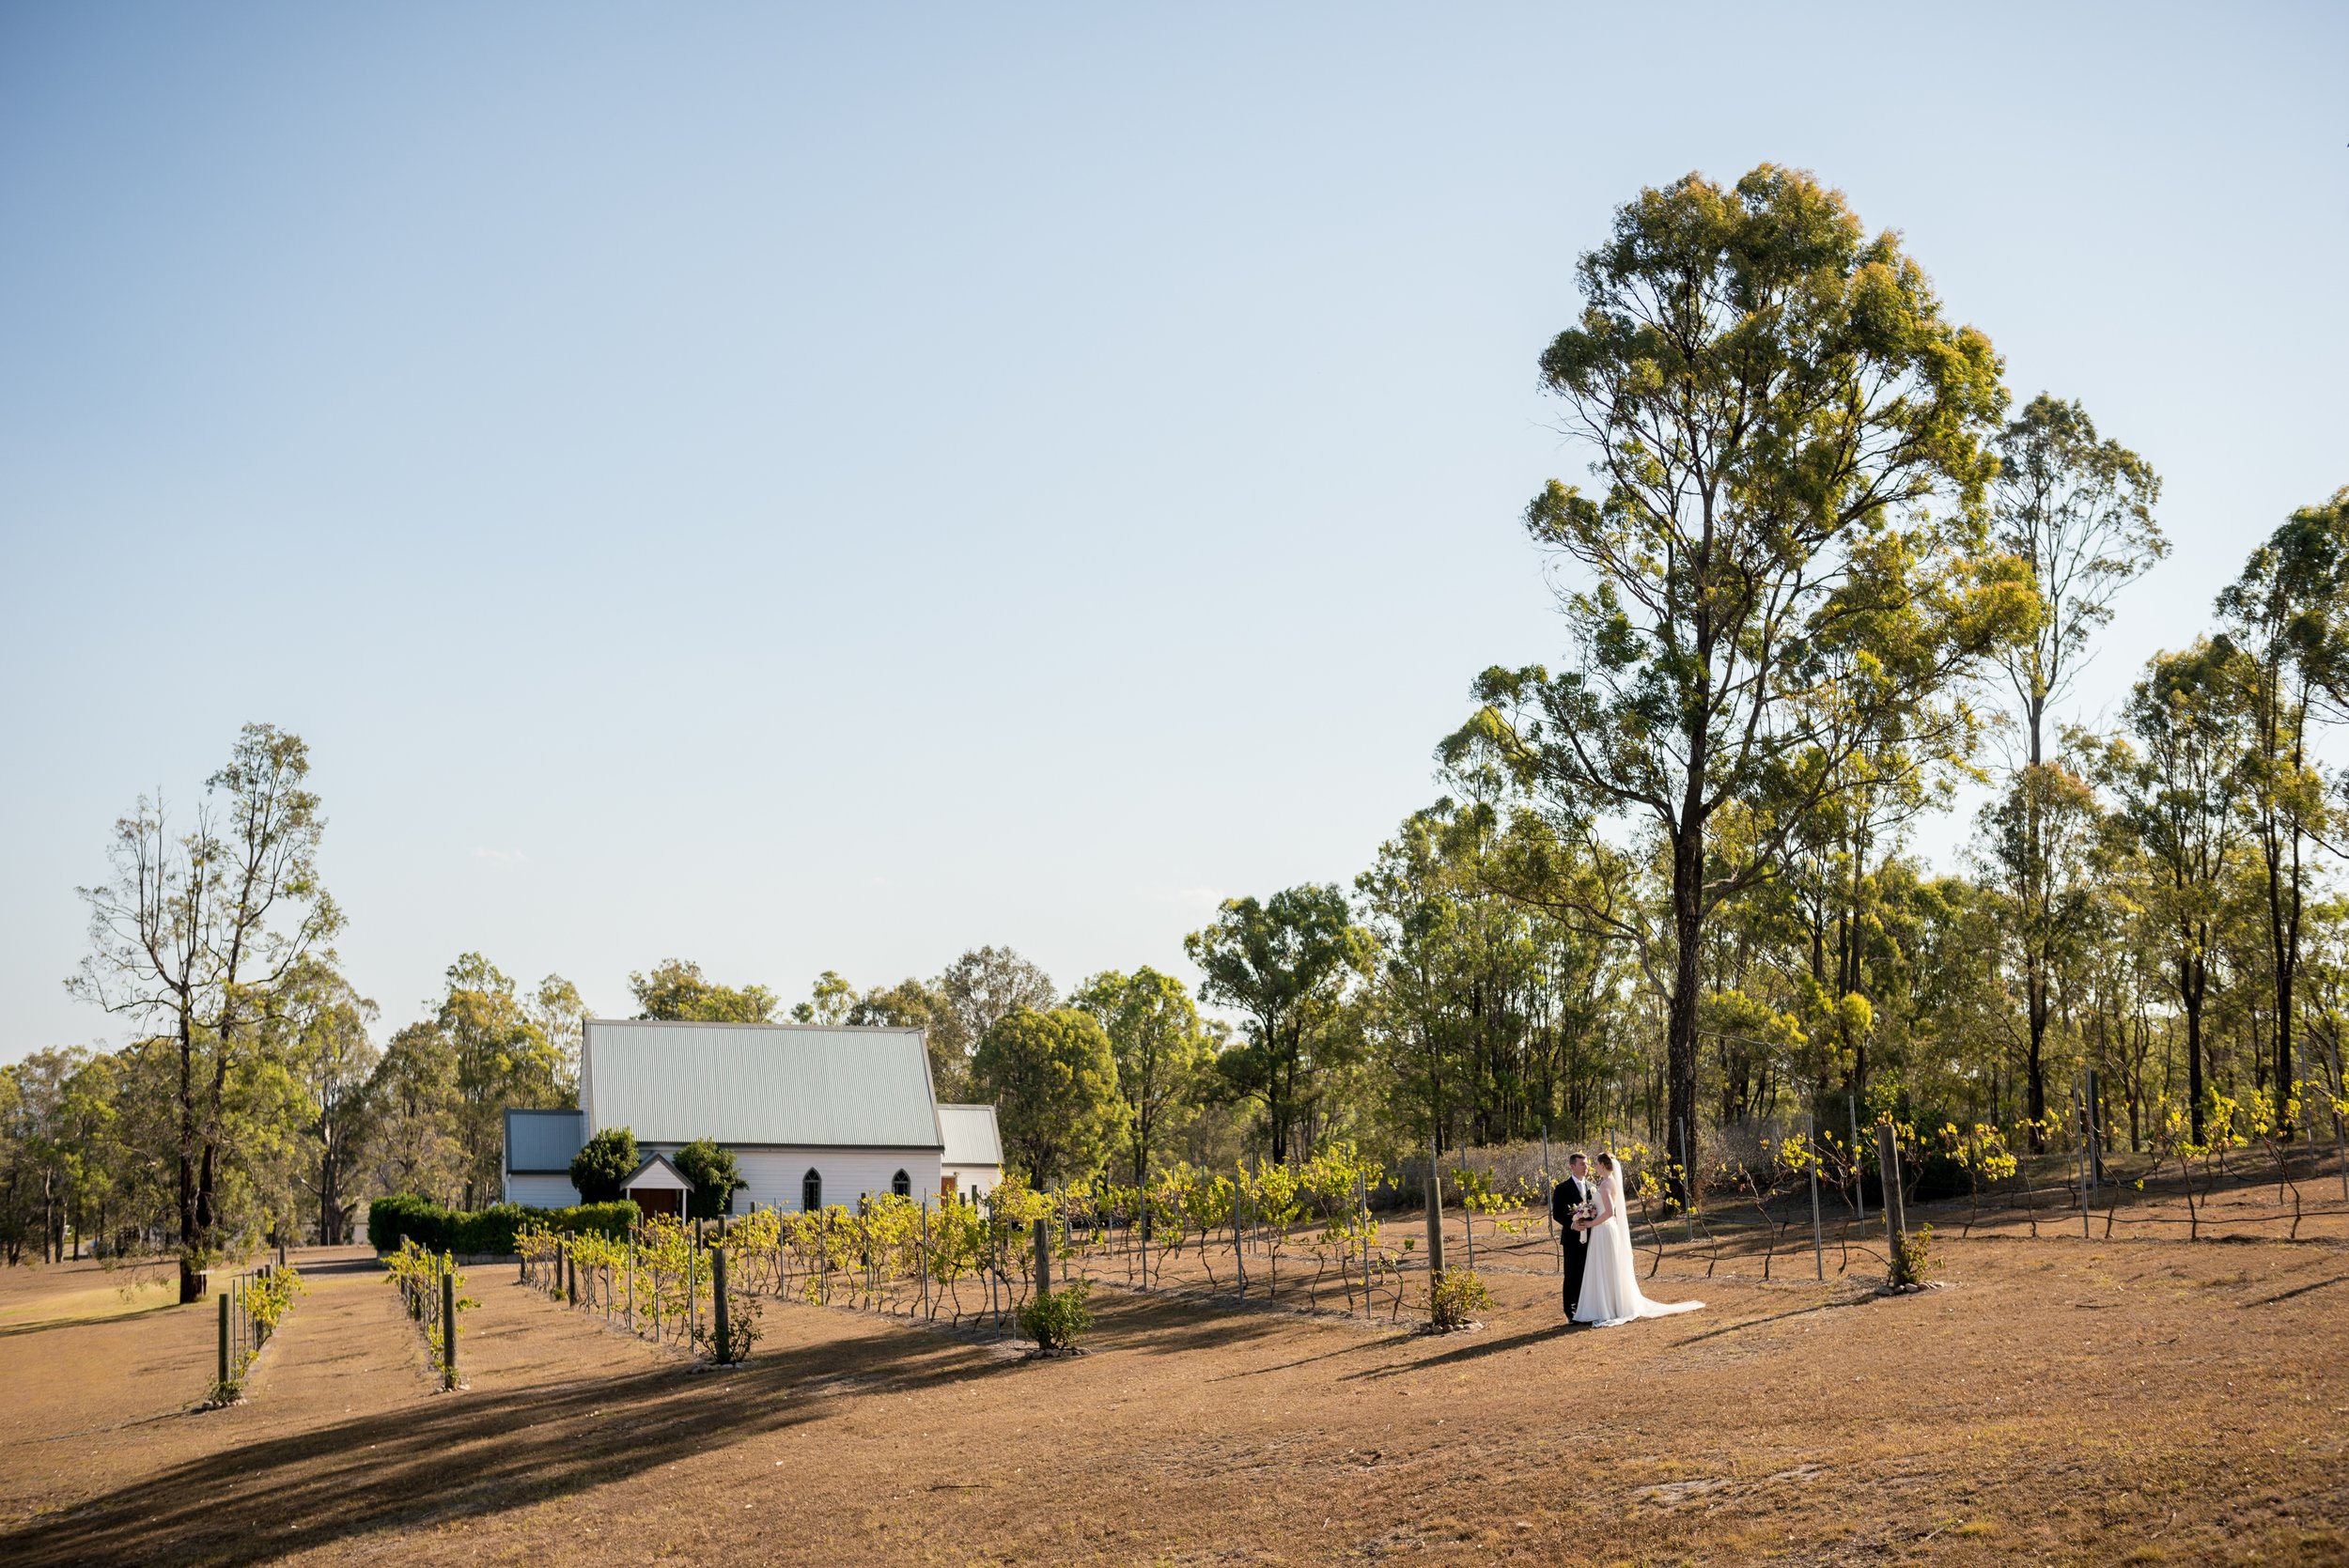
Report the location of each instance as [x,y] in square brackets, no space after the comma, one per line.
[828,487]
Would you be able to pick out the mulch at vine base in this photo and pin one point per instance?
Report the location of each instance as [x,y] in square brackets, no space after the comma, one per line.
[2064,1400]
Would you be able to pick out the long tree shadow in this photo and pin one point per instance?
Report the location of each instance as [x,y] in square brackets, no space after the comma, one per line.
[90,1320]
[485,1450]
[2297,1290]
[467,1455]
[1474,1351]
[1172,1324]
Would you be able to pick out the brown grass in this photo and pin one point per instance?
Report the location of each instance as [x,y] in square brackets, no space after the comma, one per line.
[2055,1402]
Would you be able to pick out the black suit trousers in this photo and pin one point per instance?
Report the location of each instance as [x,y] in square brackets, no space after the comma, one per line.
[1578,1254]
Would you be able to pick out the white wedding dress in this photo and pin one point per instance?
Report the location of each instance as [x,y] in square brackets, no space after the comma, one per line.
[1610,1281]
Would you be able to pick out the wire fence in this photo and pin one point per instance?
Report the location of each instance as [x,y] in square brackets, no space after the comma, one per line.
[432,1290]
[699,1285]
[1310,1237]
[255,1301]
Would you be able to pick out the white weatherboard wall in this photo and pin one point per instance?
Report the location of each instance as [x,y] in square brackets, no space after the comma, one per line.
[970,1179]
[849,1174]
[541,1192]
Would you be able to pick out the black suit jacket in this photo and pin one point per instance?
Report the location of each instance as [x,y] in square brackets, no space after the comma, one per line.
[1567,1196]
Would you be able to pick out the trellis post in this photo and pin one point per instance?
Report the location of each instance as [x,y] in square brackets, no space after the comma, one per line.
[1239,1249]
[1435,1217]
[1860,1188]
[2080,1156]
[2340,1146]
[1043,1255]
[1889,1163]
[1361,1205]
[718,1305]
[1818,1251]
[2096,1133]
[1550,1226]
[1688,1186]
[224,1344]
[448,1327]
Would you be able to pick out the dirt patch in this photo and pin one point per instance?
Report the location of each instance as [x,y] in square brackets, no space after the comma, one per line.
[2194,1414]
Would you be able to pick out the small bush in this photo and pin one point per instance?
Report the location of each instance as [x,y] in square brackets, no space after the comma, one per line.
[714,1175]
[484,1233]
[1912,1260]
[743,1314]
[1057,1319]
[608,1160]
[1455,1297]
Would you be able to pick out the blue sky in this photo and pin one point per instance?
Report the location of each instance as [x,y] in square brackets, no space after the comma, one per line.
[805,489]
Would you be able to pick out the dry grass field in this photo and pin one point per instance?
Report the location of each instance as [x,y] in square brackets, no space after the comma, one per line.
[2054,1401]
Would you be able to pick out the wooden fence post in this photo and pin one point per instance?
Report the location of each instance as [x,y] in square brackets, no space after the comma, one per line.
[1239,1252]
[1688,1186]
[1434,1220]
[2340,1147]
[1889,1163]
[448,1329]
[2085,1160]
[1860,1188]
[224,1344]
[1550,1226]
[1043,1256]
[2097,1132]
[717,1308]
[1818,1252]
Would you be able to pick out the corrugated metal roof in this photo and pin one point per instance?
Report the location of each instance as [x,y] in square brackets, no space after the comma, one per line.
[541,1140]
[971,1135]
[809,1085]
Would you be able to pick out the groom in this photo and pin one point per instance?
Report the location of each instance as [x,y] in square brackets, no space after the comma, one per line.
[1564,1199]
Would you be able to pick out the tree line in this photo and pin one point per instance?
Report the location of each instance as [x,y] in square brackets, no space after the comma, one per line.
[1822,577]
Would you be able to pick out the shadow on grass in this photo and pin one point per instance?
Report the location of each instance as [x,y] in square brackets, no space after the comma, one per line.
[2297,1290]
[1475,1350]
[485,1450]
[129,1315]
[464,1456]
[1744,1324]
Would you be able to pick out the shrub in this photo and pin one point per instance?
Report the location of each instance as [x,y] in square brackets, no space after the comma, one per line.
[608,1160]
[484,1233]
[742,1312]
[1057,1319]
[715,1179]
[1912,1260]
[1455,1297]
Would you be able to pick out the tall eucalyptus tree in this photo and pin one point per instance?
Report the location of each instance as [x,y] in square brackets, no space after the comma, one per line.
[2176,792]
[195,935]
[2078,511]
[1787,550]
[2286,619]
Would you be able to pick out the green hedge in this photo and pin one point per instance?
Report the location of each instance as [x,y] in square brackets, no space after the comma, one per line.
[485,1232]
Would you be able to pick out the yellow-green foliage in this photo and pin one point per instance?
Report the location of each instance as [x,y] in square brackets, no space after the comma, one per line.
[1455,1296]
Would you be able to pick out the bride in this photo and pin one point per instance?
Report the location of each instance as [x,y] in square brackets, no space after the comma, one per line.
[1610,1285]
